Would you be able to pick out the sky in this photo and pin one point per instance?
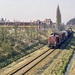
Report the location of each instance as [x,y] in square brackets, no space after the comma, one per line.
[31,10]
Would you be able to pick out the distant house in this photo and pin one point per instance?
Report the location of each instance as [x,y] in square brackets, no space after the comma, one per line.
[48,22]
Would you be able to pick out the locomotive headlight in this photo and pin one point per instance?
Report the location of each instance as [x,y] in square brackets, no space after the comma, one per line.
[55,42]
[48,42]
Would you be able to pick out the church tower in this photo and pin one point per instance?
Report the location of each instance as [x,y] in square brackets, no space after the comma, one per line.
[58,18]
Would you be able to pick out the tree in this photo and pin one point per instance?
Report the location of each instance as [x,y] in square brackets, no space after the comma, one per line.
[32,31]
[15,28]
[3,34]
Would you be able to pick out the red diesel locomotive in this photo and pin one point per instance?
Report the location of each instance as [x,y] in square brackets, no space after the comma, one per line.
[56,39]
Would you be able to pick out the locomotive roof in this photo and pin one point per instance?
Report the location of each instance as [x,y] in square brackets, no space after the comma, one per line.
[54,34]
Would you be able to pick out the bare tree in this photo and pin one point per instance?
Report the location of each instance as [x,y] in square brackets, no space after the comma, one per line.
[15,29]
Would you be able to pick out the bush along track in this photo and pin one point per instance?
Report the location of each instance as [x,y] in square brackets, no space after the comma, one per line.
[15,55]
[72,68]
[59,65]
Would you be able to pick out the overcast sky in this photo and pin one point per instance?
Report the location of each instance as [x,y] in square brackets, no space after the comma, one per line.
[26,10]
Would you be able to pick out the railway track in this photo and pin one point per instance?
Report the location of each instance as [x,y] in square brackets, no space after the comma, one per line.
[31,64]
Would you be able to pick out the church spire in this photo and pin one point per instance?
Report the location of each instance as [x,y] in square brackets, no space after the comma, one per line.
[58,17]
